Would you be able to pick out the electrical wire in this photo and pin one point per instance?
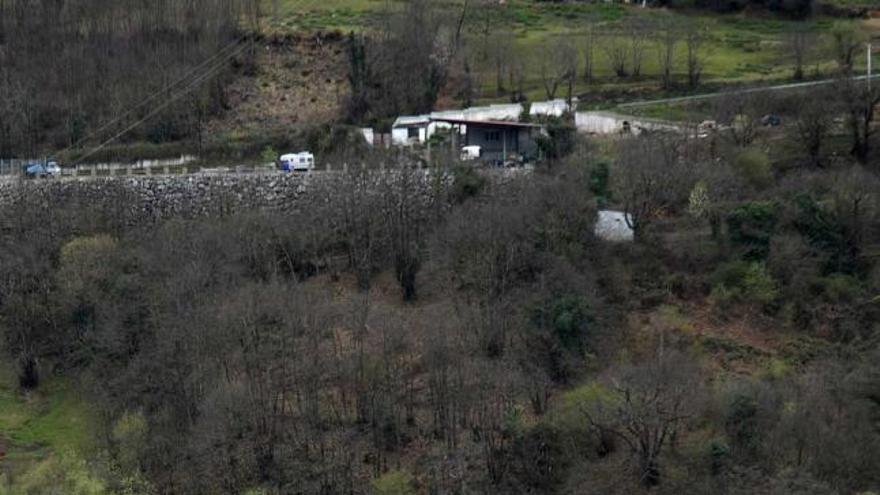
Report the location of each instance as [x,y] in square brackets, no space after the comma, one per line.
[192,85]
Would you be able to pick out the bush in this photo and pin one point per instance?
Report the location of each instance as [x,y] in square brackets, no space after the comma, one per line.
[743,282]
[58,474]
[751,226]
[826,232]
[393,483]
[268,155]
[754,166]
[841,289]
[467,183]
[600,177]
[559,141]
[539,460]
[568,318]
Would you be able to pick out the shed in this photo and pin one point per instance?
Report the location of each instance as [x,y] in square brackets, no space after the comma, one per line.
[410,129]
[499,140]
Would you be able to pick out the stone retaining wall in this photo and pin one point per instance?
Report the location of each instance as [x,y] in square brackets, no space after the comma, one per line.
[164,196]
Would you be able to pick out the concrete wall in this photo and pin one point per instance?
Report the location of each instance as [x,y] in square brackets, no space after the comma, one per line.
[607,123]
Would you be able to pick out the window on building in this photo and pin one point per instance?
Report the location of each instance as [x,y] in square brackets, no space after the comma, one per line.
[493,136]
[412,132]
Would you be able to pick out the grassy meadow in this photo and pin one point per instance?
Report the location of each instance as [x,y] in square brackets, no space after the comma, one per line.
[740,48]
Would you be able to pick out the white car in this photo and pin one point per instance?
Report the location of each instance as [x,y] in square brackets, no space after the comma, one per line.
[297,162]
[469,153]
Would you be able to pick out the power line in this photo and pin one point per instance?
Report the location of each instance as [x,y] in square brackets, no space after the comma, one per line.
[152,97]
[192,85]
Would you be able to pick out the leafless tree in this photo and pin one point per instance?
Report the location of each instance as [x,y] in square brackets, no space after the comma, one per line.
[616,51]
[799,43]
[742,113]
[649,179]
[95,63]
[408,213]
[649,405]
[639,33]
[558,66]
[502,50]
[813,121]
[666,42]
[845,42]
[859,100]
[589,52]
[695,38]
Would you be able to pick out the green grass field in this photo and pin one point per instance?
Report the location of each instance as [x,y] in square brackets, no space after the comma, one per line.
[741,47]
[51,426]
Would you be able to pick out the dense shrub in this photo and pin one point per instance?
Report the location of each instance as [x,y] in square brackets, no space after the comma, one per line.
[751,227]
[743,282]
[828,234]
[538,460]
[754,166]
[567,317]
[467,183]
[600,178]
[394,483]
[559,141]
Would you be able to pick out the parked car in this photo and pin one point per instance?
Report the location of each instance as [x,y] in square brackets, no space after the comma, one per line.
[469,153]
[45,169]
[770,120]
[297,162]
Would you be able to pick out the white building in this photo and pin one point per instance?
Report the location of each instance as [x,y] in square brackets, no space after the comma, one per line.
[410,129]
[551,108]
[606,123]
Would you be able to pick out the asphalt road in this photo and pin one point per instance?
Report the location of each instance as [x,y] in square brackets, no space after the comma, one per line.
[709,96]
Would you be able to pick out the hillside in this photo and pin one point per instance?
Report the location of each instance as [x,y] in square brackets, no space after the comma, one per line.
[513,38]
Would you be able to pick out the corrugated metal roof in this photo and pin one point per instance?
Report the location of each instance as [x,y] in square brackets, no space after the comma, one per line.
[488,123]
[411,120]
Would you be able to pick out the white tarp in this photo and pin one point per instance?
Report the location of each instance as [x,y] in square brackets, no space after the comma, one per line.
[612,226]
[599,122]
[368,134]
[552,108]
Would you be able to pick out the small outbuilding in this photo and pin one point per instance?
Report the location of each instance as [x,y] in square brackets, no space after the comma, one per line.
[410,129]
[498,141]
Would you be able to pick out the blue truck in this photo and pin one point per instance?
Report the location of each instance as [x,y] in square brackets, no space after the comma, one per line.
[46,168]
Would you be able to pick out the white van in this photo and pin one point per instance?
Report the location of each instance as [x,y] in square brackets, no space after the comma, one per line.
[469,153]
[297,162]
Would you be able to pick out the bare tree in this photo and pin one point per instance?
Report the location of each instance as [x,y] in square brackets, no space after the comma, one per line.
[648,406]
[616,52]
[695,39]
[589,52]
[558,66]
[813,121]
[638,32]
[666,41]
[799,43]
[845,42]
[502,56]
[408,209]
[742,113]
[859,100]
[650,178]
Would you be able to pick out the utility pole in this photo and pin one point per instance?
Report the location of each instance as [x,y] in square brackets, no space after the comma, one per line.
[870,50]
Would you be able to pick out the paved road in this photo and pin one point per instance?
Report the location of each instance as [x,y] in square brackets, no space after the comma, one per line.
[709,96]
